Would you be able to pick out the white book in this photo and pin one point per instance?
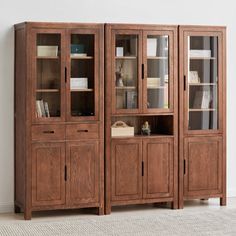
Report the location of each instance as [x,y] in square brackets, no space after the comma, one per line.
[151,47]
[38,109]
[46,109]
[42,108]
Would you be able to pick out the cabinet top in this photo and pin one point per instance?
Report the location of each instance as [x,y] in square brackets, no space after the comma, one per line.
[57,25]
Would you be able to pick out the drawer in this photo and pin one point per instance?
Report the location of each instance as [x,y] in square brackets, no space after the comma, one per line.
[82,131]
[48,132]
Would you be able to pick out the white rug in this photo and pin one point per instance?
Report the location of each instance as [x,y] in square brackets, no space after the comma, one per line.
[212,222]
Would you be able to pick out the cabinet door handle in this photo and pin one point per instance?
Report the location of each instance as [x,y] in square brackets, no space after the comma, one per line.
[142,71]
[65,74]
[48,132]
[142,168]
[184,82]
[82,130]
[65,177]
[184,167]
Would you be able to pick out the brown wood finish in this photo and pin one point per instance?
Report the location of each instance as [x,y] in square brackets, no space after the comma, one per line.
[33,134]
[211,143]
[203,166]
[48,180]
[158,180]
[164,122]
[48,132]
[82,172]
[82,131]
[126,169]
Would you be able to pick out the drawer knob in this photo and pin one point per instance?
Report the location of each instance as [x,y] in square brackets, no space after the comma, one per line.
[48,131]
[82,130]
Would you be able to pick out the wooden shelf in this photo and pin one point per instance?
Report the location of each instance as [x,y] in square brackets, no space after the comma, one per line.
[202,109]
[202,58]
[48,57]
[81,57]
[127,58]
[157,58]
[47,90]
[143,136]
[81,90]
[157,87]
[201,84]
[126,87]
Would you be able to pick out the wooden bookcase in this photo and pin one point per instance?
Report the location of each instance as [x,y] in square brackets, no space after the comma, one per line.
[202,112]
[59,126]
[141,85]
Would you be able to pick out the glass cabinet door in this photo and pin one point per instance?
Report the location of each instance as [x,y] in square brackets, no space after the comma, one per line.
[82,74]
[48,86]
[157,74]
[202,83]
[126,73]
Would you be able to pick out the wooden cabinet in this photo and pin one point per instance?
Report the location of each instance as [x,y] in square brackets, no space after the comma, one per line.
[202,83]
[59,158]
[48,177]
[126,168]
[158,172]
[203,166]
[142,91]
[82,172]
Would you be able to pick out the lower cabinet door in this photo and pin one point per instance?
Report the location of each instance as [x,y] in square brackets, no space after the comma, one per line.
[203,166]
[48,166]
[126,169]
[82,172]
[158,167]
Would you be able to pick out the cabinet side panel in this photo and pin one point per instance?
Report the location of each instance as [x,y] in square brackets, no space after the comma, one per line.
[20,115]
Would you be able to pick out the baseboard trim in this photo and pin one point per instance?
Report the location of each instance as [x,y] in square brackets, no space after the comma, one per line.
[7,207]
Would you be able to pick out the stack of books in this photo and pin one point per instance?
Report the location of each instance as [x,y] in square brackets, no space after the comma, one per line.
[200,53]
[42,109]
[153,82]
[78,83]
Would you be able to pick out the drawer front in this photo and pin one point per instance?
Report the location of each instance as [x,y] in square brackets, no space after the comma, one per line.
[82,131]
[48,132]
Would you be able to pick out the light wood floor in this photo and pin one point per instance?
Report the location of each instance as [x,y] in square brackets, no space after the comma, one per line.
[196,205]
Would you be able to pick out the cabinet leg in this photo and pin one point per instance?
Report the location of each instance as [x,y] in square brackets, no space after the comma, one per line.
[101,211]
[27,214]
[223,201]
[17,209]
[174,205]
[181,203]
[108,209]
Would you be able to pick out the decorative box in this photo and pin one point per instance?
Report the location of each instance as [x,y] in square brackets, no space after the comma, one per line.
[47,51]
[76,48]
[78,83]
[120,128]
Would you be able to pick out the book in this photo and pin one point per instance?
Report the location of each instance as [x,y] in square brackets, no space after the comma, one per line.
[193,77]
[202,99]
[46,109]
[38,109]
[151,47]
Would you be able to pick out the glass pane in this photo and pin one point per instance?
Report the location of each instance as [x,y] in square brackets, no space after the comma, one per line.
[48,71]
[203,83]
[82,75]
[157,71]
[126,76]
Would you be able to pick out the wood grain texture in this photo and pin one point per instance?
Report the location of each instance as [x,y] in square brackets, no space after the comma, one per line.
[48,183]
[126,169]
[83,172]
[203,166]
[158,161]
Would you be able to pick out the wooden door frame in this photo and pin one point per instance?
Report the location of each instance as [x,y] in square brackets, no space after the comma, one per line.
[33,75]
[215,29]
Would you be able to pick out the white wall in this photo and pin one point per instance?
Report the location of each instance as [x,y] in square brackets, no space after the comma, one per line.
[208,12]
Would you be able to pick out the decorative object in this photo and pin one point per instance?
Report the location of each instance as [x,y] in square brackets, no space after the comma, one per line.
[193,77]
[47,51]
[119,79]
[119,51]
[120,128]
[146,130]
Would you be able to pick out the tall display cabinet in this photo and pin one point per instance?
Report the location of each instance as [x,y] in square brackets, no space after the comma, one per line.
[59,157]
[141,86]
[202,112]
